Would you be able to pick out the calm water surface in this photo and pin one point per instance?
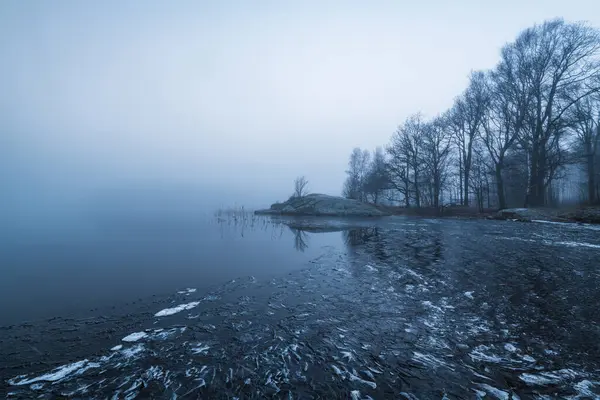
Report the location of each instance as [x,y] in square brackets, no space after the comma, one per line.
[391,308]
[87,266]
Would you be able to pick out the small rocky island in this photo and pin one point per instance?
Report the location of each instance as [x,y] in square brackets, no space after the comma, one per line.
[323,205]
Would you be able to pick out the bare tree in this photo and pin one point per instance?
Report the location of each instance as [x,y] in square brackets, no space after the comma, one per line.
[300,186]
[436,156]
[479,180]
[405,164]
[465,120]
[512,127]
[376,180]
[586,125]
[505,114]
[358,168]
[558,62]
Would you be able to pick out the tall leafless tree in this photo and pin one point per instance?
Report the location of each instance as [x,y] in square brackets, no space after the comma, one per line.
[436,156]
[358,168]
[479,179]
[558,62]
[405,163]
[513,127]
[505,114]
[376,180]
[586,125]
[465,120]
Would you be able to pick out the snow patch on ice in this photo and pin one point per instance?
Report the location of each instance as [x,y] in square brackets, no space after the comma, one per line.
[579,244]
[478,354]
[497,393]
[584,389]
[541,221]
[568,224]
[177,309]
[528,358]
[132,351]
[162,334]
[469,295]
[510,347]
[57,374]
[354,378]
[518,239]
[134,337]
[429,360]
[548,378]
[431,305]
[200,348]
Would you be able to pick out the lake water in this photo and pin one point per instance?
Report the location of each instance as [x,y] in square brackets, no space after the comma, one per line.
[311,308]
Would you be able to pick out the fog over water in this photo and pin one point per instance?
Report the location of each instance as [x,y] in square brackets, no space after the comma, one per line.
[168,106]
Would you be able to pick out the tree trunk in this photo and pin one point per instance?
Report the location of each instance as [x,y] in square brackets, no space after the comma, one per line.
[536,192]
[466,188]
[460,177]
[487,190]
[468,163]
[500,187]
[417,191]
[541,176]
[591,178]
[436,194]
[482,206]
[407,186]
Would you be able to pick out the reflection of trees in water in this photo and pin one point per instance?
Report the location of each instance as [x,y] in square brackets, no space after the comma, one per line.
[416,247]
[300,239]
[360,236]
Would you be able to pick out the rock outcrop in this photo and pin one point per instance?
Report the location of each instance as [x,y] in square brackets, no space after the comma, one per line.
[582,215]
[325,205]
[516,214]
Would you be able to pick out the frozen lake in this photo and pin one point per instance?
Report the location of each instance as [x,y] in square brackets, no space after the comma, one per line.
[391,308]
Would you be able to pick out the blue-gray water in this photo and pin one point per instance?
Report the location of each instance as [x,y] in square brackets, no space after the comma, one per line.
[83,264]
[219,308]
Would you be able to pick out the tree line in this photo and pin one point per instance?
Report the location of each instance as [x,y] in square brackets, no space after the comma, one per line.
[509,137]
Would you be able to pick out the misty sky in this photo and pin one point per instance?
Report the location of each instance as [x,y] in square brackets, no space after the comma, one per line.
[232,99]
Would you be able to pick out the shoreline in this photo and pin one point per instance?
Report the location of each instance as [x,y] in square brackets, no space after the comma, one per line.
[587,215]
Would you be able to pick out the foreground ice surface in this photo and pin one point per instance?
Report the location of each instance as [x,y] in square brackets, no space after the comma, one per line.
[426,322]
